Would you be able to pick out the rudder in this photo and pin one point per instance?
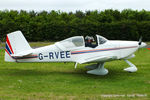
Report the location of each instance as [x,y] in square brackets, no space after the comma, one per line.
[15,43]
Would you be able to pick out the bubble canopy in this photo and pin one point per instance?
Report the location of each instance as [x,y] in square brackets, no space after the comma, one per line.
[79,41]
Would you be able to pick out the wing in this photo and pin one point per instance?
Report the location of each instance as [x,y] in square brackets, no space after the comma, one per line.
[97,59]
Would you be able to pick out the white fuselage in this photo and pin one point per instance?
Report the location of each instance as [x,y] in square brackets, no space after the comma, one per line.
[52,53]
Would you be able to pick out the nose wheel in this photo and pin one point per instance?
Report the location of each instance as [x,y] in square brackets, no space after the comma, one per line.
[100,70]
[132,67]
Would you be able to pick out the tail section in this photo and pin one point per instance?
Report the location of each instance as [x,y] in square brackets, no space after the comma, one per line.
[15,43]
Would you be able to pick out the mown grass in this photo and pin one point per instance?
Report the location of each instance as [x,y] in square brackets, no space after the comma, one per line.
[39,44]
[148,43]
[33,44]
[60,81]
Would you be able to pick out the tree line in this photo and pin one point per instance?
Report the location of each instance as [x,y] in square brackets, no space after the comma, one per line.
[53,25]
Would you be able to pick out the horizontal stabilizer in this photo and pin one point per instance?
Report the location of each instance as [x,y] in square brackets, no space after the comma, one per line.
[21,54]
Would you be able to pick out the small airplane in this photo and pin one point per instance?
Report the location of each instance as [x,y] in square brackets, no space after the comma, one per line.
[76,49]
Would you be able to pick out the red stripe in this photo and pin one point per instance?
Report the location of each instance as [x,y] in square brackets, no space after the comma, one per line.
[34,55]
[7,40]
[148,48]
[103,49]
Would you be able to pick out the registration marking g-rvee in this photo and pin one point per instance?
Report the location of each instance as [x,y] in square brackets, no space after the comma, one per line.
[55,55]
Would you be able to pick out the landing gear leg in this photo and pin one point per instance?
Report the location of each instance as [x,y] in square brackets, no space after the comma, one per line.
[132,67]
[100,70]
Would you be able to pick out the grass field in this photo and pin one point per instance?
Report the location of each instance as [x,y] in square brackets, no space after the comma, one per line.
[39,44]
[32,44]
[60,81]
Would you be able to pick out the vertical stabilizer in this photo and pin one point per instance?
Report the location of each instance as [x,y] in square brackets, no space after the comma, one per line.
[15,43]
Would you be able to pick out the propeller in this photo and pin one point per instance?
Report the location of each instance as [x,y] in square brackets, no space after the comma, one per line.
[141,44]
[140,41]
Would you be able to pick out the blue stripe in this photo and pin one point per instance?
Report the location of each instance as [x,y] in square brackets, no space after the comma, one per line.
[8,49]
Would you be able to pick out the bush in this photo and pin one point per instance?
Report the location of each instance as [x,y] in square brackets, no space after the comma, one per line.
[55,25]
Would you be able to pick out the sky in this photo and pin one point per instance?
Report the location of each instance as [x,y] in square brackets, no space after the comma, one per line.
[73,5]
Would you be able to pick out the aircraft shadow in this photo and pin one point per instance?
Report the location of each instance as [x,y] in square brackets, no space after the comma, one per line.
[80,73]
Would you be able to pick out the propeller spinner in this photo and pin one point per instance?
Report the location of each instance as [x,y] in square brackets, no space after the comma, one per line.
[141,44]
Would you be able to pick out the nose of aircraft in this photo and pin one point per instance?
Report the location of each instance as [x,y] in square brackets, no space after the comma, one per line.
[142,45]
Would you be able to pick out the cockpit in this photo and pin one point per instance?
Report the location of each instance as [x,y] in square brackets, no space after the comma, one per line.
[94,42]
[80,41]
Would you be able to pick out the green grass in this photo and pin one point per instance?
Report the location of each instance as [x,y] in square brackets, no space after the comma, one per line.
[39,44]
[60,81]
[148,43]
[33,44]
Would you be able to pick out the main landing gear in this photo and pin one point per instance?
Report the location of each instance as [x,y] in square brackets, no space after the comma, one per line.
[132,67]
[98,69]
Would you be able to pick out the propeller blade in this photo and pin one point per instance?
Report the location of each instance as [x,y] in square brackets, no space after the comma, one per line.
[140,40]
